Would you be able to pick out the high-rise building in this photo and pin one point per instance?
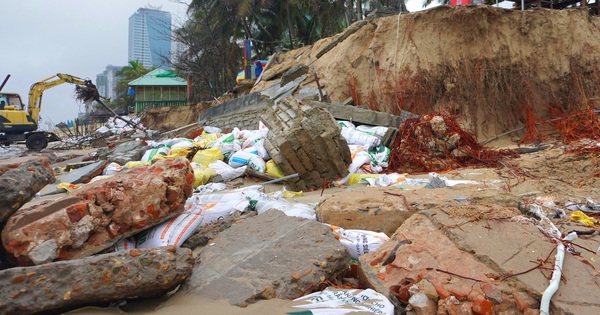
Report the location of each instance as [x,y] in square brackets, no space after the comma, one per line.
[107,81]
[150,38]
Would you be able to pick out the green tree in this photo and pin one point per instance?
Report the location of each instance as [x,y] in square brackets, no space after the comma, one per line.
[214,34]
[133,70]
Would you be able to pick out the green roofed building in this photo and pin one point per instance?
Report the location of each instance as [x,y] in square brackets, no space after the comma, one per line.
[158,88]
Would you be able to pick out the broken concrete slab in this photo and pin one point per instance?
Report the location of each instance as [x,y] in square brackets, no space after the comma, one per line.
[480,253]
[267,256]
[310,94]
[78,176]
[204,233]
[123,152]
[61,286]
[293,74]
[377,210]
[20,179]
[306,140]
[96,216]
[277,93]
[364,116]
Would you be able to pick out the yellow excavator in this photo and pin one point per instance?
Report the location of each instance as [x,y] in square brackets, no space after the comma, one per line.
[18,124]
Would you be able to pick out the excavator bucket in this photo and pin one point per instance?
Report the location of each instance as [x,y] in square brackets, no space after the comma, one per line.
[87,93]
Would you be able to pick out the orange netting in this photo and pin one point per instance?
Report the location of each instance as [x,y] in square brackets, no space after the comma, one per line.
[437,143]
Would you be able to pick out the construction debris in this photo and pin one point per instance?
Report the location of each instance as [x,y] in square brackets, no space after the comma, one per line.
[95,217]
[98,279]
[20,179]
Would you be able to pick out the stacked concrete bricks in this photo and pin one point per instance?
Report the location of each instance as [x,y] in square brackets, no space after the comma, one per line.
[306,140]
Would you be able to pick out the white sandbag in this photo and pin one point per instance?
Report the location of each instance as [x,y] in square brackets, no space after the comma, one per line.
[226,171]
[360,242]
[210,188]
[290,209]
[251,134]
[377,131]
[380,155]
[257,163]
[211,129]
[149,154]
[183,143]
[177,230]
[125,244]
[227,145]
[248,143]
[243,194]
[168,142]
[385,180]
[263,130]
[112,169]
[346,123]
[359,158]
[259,146]
[353,136]
[241,158]
[333,301]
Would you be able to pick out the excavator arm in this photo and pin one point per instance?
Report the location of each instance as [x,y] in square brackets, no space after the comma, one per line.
[37,90]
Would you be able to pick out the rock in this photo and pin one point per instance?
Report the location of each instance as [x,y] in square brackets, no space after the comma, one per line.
[99,214]
[270,255]
[204,233]
[20,179]
[124,152]
[422,305]
[378,210]
[481,252]
[103,278]
[307,141]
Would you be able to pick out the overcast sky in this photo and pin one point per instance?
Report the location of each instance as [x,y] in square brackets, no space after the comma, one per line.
[40,38]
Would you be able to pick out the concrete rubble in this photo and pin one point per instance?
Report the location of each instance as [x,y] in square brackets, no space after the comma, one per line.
[268,256]
[98,279]
[98,215]
[20,179]
[306,141]
[378,210]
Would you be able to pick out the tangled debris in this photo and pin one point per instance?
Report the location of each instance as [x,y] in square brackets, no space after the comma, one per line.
[436,142]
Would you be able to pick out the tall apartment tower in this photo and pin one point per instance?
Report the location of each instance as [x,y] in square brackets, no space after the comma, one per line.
[150,38]
[107,81]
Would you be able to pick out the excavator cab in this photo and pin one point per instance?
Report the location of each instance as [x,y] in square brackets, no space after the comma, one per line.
[11,101]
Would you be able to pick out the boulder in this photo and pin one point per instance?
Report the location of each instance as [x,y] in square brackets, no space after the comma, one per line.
[376,209]
[124,152]
[99,214]
[103,278]
[481,257]
[21,178]
[307,141]
[267,256]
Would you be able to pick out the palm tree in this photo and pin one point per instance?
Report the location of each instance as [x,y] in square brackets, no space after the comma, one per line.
[133,70]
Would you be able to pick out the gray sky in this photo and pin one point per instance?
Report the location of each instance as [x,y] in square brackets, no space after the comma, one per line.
[43,37]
